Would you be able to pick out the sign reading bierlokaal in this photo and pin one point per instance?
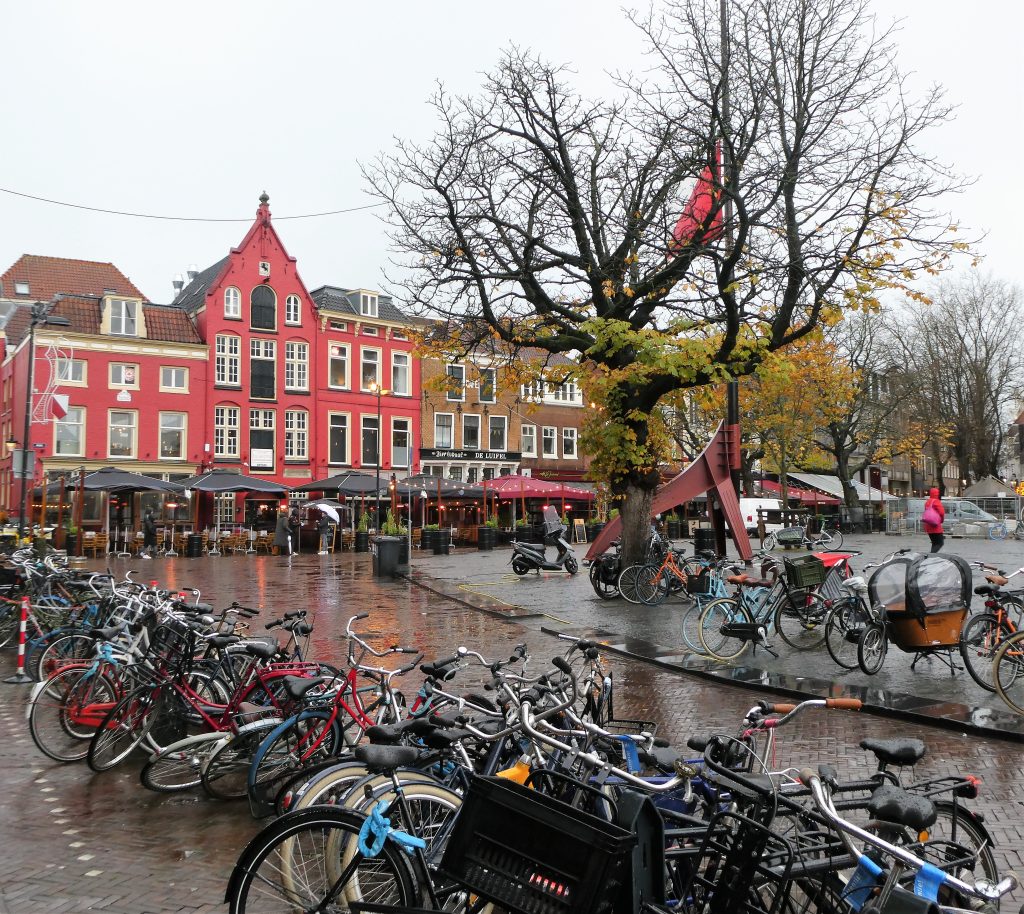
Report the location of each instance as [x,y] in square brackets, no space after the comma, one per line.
[434,454]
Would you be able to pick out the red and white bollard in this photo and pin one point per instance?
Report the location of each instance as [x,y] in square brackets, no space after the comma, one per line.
[20,676]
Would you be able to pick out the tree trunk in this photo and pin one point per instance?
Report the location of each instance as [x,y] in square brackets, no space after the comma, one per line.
[635,511]
[849,492]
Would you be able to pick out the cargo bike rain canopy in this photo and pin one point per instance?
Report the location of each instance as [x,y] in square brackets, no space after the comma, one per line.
[918,585]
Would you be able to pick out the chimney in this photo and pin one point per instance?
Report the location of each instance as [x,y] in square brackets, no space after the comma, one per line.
[178,284]
[192,272]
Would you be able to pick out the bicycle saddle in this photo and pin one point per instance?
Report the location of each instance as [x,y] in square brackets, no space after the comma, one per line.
[896,751]
[386,758]
[391,734]
[297,686]
[106,634]
[263,649]
[894,804]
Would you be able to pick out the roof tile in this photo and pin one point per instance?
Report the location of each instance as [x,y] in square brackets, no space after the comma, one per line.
[48,276]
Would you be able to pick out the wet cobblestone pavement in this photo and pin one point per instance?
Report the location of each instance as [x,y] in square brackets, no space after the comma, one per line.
[77,841]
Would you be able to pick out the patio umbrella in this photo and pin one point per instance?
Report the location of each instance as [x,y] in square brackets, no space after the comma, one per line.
[351,483]
[111,479]
[219,481]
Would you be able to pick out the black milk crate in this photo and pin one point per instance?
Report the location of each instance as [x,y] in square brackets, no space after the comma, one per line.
[805,571]
[699,583]
[533,854]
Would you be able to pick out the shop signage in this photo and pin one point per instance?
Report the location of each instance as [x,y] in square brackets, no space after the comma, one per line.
[502,456]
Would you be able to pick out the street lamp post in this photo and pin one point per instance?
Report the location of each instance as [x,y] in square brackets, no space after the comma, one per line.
[379,391]
[40,315]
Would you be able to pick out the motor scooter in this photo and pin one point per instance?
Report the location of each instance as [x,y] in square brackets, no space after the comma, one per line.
[528,557]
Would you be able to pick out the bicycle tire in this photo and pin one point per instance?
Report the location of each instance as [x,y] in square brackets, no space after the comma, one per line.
[627,582]
[225,773]
[327,787]
[800,620]
[843,624]
[179,766]
[123,729]
[959,825]
[872,648]
[69,648]
[997,531]
[690,626]
[979,640]
[56,721]
[601,587]
[717,613]
[296,860]
[10,619]
[1007,670]
[769,543]
[653,585]
[831,540]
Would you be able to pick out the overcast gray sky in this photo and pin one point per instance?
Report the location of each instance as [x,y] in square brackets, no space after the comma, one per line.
[194,108]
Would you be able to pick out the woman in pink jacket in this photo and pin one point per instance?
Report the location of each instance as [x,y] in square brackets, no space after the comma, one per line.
[934,530]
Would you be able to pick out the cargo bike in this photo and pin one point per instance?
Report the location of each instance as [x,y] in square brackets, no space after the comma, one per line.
[917,603]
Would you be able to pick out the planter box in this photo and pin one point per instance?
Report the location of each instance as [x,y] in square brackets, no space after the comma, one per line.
[486,538]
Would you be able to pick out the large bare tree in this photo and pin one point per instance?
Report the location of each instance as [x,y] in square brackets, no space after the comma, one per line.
[547,217]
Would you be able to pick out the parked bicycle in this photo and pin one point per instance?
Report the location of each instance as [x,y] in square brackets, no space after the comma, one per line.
[828,539]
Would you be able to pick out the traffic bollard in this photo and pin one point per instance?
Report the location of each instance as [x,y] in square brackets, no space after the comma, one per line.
[20,677]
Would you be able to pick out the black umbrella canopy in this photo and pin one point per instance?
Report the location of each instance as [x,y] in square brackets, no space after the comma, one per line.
[112,479]
[345,484]
[226,481]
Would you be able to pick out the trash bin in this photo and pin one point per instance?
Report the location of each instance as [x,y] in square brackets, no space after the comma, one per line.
[704,539]
[387,550]
[194,546]
[675,530]
[362,542]
[486,537]
[442,542]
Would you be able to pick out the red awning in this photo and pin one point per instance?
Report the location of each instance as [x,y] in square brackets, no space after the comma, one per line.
[528,487]
[807,496]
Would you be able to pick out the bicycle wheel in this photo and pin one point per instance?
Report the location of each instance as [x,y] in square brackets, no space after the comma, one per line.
[979,641]
[629,579]
[843,626]
[830,540]
[225,772]
[123,729]
[296,864]
[10,619]
[59,653]
[872,648]
[180,765]
[604,589]
[328,787]
[66,709]
[963,846]
[1007,669]
[654,584]
[769,542]
[800,620]
[716,615]
[690,625]
[997,531]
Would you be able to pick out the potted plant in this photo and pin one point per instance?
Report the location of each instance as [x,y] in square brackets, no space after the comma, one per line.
[362,543]
[428,536]
[389,545]
[487,534]
[71,538]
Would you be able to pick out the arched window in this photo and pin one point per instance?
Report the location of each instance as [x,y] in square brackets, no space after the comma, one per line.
[263,305]
[292,310]
[232,302]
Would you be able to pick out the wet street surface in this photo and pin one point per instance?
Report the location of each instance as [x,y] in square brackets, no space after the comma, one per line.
[77,841]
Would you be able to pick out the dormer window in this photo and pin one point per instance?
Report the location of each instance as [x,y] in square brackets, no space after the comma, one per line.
[21,288]
[367,304]
[123,317]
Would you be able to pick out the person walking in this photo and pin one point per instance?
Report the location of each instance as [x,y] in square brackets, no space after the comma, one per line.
[294,528]
[325,530]
[282,533]
[932,518]
[148,535]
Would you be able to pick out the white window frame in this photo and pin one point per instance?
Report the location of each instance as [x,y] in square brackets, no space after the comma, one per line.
[395,365]
[68,421]
[532,452]
[451,395]
[451,444]
[368,304]
[296,365]
[347,461]
[184,434]
[341,326]
[64,367]
[553,438]
[504,423]
[133,367]
[479,432]
[379,455]
[293,310]
[228,360]
[347,356]
[407,422]
[371,331]
[569,434]
[124,317]
[224,504]
[296,434]
[134,413]
[232,304]
[224,430]
[363,386]
[21,288]
[174,388]
[533,392]
[493,372]
[262,419]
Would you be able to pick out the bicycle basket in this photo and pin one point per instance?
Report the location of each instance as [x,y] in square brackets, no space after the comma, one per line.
[789,536]
[741,867]
[805,571]
[532,854]
[699,583]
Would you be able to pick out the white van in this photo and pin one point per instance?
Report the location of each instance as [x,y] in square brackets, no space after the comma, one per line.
[770,507]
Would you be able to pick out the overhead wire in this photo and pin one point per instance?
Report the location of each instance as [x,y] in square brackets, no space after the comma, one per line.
[116,212]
